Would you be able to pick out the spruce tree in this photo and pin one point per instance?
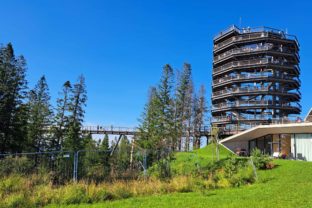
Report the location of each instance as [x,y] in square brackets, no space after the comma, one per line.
[13,111]
[123,155]
[73,139]
[183,110]
[148,128]
[61,118]
[199,111]
[39,117]
[166,117]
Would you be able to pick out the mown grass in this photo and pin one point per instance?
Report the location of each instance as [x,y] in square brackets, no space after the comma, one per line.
[287,185]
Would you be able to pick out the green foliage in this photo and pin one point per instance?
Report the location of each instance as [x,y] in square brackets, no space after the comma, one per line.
[161,169]
[73,139]
[61,117]
[17,201]
[122,192]
[39,117]
[171,114]
[103,195]
[15,165]
[157,129]
[288,185]
[74,194]
[183,104]
[10,185]
[24,123]
[13,111]
[260,160]
[198,112]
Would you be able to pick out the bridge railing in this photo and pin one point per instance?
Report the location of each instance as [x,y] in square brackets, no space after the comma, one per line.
[133,130]
[109,129]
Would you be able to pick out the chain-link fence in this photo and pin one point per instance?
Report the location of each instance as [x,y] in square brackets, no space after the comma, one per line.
[105,166]
[90,165]
[58,165]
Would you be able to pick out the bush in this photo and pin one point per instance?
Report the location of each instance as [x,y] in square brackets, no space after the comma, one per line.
[121,190]
[17,201]
[103,195]
[161,169]
[230,172]
[261,161]
[10,185]
[242,177]
[73,194]
[182,184]
[16,165]
[45,194]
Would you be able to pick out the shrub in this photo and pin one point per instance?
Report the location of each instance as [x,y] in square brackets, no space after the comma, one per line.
[103,195]
[231,171]
[121,190]
[44,195]
[17,201]
[260,160]
[10,185]
[16,165]
[242,177]
[182,184]
[73,194]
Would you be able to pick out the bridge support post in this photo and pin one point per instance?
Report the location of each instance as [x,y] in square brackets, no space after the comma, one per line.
[114,148]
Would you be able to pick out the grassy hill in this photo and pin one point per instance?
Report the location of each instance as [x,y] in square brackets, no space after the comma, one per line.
[186,162]
[287,185]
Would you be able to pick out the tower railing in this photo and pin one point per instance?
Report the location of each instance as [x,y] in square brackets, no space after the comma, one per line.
[253,89]
[252,33]
[254,75]
[245,63]
[254,103]
[251,50]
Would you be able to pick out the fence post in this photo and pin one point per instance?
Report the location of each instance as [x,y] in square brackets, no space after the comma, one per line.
[75,175]
[144,163]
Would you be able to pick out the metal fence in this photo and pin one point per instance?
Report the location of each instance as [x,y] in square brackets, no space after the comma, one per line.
[91,165]
[58,164]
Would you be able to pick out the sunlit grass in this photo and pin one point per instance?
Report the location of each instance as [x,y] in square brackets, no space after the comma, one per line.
[288,185]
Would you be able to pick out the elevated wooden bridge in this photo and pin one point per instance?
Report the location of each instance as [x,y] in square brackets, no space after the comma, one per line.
[132,131]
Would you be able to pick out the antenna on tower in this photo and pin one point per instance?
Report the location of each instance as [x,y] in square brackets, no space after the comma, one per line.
[286,31]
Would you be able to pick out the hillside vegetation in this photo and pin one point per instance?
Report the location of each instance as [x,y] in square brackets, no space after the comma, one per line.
[190,172]
[287,185]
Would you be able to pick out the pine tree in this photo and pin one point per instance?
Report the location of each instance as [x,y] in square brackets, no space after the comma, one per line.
[105,144]
[105,153]
[39,117]
[148,137]
[13,111]
[123,155]
[73,140]
[200,109]
[91,166]
[166,118]
[61,118]
[184,94]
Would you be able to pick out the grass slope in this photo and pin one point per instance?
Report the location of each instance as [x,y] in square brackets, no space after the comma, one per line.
[288,185]
[186,162]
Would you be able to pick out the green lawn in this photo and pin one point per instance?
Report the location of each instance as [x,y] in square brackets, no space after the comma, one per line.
[287,185]
[185,162]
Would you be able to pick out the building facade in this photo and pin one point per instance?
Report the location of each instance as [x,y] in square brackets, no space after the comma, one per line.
[255,78]
[293,140]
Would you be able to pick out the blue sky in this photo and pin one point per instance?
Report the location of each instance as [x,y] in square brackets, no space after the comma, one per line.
[121,46]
